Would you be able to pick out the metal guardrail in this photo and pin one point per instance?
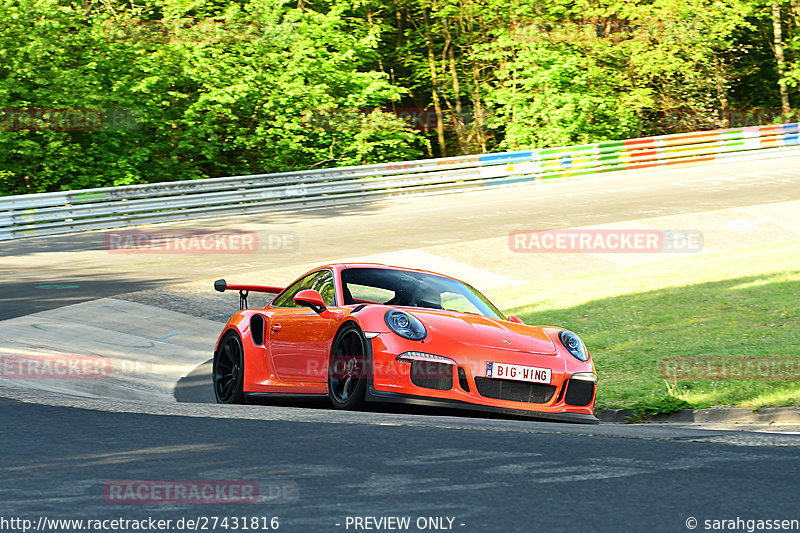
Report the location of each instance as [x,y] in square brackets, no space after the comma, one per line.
[114,207]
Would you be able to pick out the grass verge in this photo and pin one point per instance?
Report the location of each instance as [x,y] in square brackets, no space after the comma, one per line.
[725,306]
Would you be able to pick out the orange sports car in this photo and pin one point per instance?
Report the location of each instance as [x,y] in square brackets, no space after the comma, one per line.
[373,333]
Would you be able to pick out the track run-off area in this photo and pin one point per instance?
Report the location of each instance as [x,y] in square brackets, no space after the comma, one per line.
[155,317]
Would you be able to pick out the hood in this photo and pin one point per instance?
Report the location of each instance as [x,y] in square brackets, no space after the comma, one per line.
[481,331]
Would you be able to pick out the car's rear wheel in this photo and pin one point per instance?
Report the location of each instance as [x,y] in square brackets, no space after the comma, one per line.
[347,377]
[228,374]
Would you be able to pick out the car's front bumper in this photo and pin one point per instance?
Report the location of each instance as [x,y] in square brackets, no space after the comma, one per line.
[569,396]
[395,397]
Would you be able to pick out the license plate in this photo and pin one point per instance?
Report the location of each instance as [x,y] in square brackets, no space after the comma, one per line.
[530,374]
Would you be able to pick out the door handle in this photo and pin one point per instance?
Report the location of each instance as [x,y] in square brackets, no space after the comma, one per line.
[276,328]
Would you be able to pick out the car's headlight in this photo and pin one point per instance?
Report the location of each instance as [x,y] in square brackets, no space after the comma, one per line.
[406,325]
[574,345]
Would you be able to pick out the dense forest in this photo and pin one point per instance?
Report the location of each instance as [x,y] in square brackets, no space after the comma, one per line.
[105,92]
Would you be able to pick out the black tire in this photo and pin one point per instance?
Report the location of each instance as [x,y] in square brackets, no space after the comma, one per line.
[228,373]
[347,370]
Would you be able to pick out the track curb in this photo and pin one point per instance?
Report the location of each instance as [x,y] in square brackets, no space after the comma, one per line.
[730,415]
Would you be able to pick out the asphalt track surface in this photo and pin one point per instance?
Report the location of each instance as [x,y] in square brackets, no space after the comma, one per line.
[316,467]
[314,476]
[381,227]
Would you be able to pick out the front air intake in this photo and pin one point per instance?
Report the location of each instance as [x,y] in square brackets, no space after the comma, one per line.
[579,392]
[432,375]
[462,380]
[514,391]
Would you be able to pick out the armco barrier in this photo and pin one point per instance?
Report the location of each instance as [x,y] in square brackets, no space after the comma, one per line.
[114,207]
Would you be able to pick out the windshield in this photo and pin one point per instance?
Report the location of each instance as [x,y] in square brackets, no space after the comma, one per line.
[413,289]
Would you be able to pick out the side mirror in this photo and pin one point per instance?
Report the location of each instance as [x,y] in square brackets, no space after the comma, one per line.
[512,318]
[310,298]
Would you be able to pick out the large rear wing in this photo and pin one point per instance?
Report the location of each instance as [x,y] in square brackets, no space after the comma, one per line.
[244,290]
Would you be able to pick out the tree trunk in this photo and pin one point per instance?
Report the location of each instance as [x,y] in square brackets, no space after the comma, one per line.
[458,116]
[777,31]
[371,26]
[478,106]
[437,104]
[722,95]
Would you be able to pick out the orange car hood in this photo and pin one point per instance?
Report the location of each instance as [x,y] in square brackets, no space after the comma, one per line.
[481,331]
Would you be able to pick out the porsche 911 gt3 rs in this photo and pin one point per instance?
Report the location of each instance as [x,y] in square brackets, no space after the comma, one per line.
[373,333]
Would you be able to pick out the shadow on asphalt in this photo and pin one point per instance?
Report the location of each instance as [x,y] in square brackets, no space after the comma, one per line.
[24,294]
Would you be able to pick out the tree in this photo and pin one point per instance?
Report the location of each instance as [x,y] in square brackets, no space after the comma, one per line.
[780,59]
[107,92]
[205,89]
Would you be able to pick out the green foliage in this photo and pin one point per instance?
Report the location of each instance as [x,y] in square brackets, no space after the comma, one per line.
[193,97]
[554,95]
[599,72]
[735,303]
[200,88]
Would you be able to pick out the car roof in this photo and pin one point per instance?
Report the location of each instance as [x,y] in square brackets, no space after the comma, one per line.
[343,266]
[338,267]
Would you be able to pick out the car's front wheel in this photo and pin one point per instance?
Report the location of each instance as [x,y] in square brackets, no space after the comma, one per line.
[347,377]
[228,372]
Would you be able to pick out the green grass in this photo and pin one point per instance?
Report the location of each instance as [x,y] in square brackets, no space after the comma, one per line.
[736,303]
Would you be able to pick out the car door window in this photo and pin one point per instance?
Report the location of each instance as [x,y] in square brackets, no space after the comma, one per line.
[321,281]
[323,284]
